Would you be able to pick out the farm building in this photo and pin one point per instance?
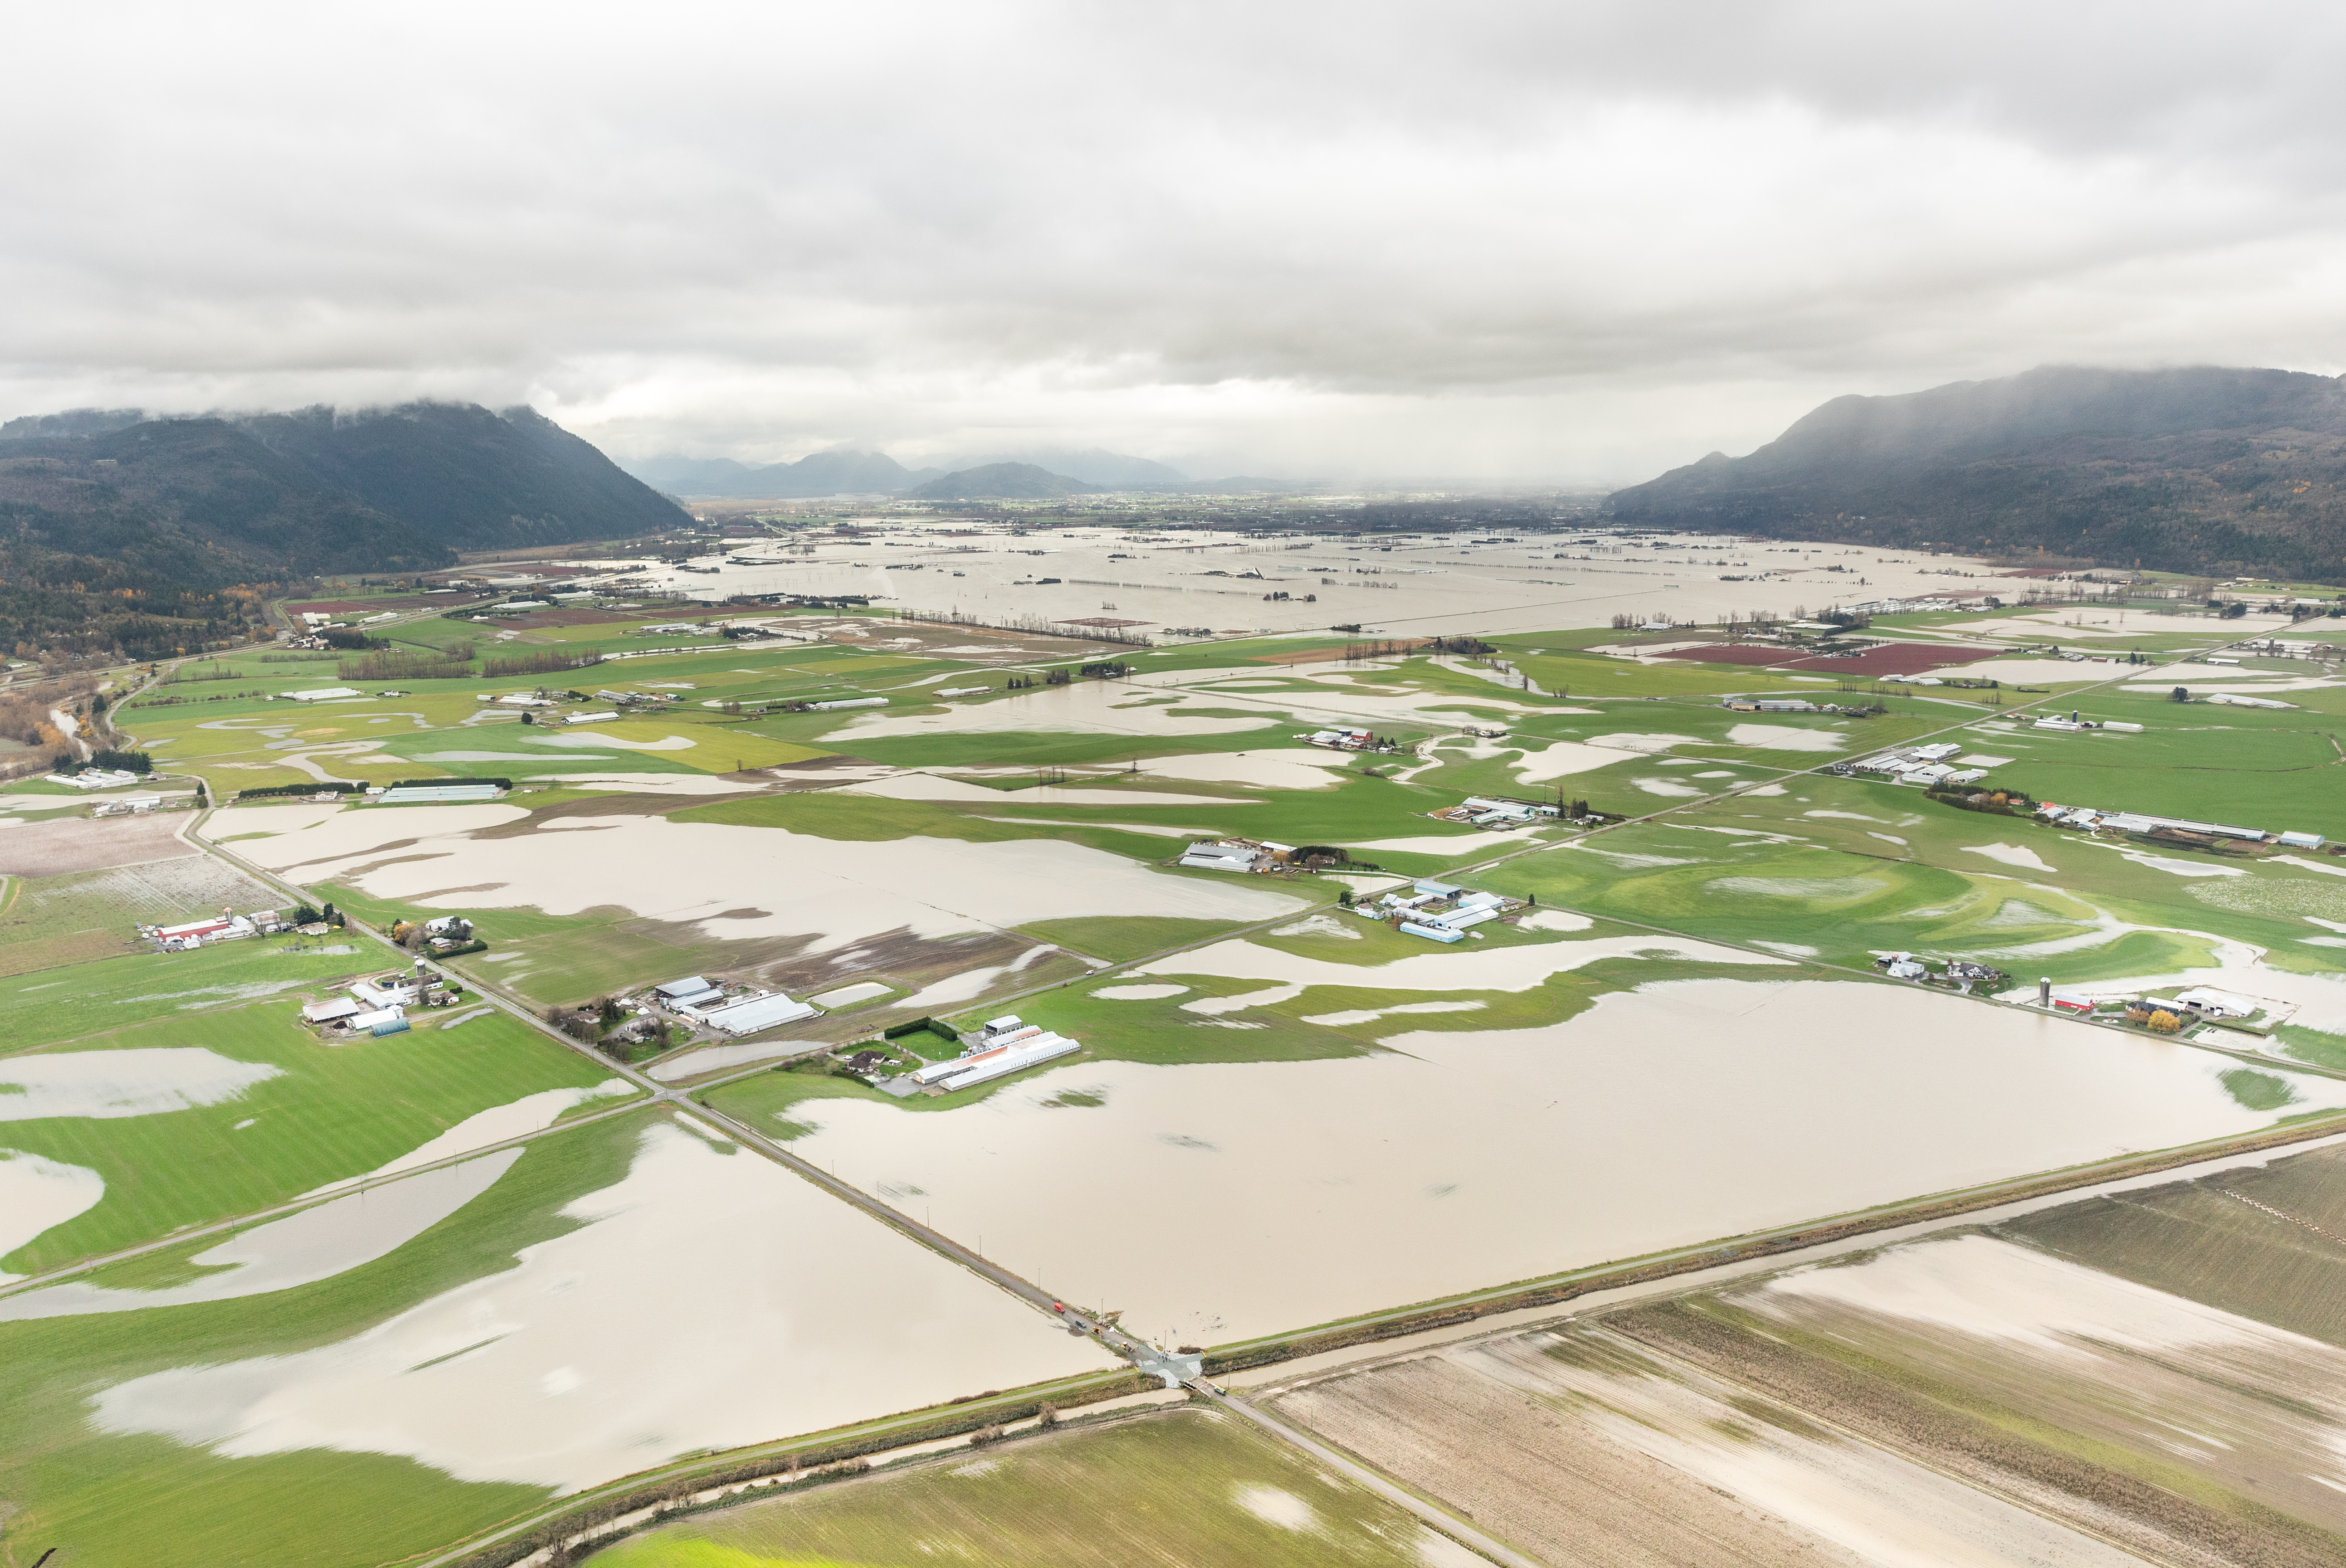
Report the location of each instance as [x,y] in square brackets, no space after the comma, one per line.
[1004,1045]
[333,1011]
[222,927]
[323,693]
[1222,855]
[692,991]
[750,1014]
[393,990]
[847,702]
[2209,1003]
[415,794]
[2136,822]
[2302,840]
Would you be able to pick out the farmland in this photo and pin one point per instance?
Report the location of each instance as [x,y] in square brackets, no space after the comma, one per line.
[2132,1377]
[460,1278]
[1191,1487]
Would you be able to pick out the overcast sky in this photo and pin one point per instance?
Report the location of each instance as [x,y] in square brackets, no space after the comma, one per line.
[1539,242]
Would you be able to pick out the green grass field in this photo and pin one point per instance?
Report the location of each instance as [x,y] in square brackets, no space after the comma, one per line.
[1190,1486]
[331,1112]
[131,1502]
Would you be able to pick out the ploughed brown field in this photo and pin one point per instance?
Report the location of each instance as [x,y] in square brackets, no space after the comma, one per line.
[2154,1377]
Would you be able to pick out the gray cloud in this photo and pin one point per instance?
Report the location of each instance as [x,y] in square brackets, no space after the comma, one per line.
[1570,242]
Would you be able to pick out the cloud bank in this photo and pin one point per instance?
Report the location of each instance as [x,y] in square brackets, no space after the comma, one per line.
[1570,243]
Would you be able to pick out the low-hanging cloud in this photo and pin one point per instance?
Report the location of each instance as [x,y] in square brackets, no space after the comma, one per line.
[1572,243]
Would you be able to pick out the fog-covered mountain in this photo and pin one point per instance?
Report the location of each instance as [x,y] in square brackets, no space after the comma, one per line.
[2194,470]
[866,473]
[1000,482]
[151,535]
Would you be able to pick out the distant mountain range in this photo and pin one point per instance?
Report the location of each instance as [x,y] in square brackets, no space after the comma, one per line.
[2200,470]
[823,473]
[1000,482]
[871,473]
[122,532]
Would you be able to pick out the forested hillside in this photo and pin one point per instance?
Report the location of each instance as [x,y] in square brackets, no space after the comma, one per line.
[119,534]
[2200,470]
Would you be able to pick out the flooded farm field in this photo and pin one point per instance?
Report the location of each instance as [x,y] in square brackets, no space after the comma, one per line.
[2154,1373]
[613,1297]
[1223,1201]
[738,882]
[1585,1447]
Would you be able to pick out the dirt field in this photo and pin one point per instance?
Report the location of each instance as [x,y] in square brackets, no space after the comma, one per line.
[2119,1444]
[2280,1258]
[1583,1447]
[91,844]
[55,921]
[2155,1377]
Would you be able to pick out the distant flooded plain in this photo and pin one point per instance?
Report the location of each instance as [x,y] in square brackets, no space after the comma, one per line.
[1219,1202]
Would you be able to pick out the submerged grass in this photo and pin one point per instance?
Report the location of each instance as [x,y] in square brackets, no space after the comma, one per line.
[333,1112]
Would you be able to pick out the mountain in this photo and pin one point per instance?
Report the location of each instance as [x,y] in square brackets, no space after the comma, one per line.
[161,535]
[1107,470]
[821,473]
[469,478]
[681,476]
[73,422]
[865,472]
[2198,470]
[1000,482]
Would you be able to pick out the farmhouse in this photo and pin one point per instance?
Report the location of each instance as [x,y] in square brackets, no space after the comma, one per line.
[394,989]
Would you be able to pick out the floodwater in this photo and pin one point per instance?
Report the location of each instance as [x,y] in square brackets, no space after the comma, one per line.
[1787,737]
[314,1244]
[1596,1452]
[2223,1394]
[1443,585]
[516,1119]
[1226,1200]
[144,1082]
[316,835]
[936,787]
[38,1194]
[707,1299]
[1517,967]
[1092,708]
[740,882]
